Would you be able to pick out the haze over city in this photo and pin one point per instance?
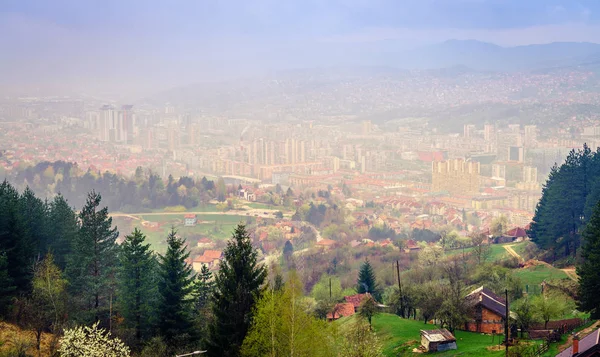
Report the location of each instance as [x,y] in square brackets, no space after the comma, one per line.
[399,177]
[142,46]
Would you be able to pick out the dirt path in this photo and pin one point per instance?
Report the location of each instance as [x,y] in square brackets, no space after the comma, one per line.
[571,273]
[511,251]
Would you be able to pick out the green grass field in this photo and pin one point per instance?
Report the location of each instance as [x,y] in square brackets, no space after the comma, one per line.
[536,274]
[258,205]
[520,248]
[217,227]
[498,252]
[399,337]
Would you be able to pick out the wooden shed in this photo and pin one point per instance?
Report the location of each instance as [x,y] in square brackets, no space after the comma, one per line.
[437,340]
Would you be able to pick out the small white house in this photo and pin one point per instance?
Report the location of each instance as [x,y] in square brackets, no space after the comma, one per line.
[247,195]
[190,220]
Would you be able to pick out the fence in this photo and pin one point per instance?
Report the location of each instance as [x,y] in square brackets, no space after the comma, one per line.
[529,351]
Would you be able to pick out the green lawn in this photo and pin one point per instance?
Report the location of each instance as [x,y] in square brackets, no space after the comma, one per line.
[536,274]
[400,336]
[520,248]
[217,227]
[497,252]
[258,205]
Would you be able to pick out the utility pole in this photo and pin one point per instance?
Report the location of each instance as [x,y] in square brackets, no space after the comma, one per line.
[400,288]
[330,289]
[506,331]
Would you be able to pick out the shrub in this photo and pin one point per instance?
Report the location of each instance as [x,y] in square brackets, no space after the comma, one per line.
[91,342]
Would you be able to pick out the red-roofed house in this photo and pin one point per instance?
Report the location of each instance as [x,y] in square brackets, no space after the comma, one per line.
[341,310]
[517,232]
[411,246]
[355,300]
[326,243]
[210,258]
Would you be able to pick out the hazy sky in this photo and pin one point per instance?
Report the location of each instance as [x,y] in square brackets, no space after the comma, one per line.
[127,44]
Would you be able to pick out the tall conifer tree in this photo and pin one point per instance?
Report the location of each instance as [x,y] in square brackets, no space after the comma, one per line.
[15,240]
[93,263]
[589,270]
[175,288]
[63,230]
[136,283]
[367,282]
[239,284]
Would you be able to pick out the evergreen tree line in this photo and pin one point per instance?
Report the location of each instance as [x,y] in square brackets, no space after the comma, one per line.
[568,199]
[60,269]
[144,191]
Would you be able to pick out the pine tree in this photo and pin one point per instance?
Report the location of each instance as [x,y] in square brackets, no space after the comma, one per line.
[589,270]
[367,282]
[7,287]
[567,201]
[203,288]
[175,286]
[202,291]
[63,230]
[92,266]
[239,284]
[15,240]
[35,214]
[137,291]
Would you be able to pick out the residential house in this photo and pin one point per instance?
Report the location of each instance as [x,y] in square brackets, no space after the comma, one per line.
[589,346]
[341,310]
[355,300]
[190,220]
[437,340]
[411,246]
[325,243]
[247,195]
[518,233]
[210,258]
[488,311]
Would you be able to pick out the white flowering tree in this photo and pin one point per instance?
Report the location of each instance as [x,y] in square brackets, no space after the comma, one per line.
[91,342]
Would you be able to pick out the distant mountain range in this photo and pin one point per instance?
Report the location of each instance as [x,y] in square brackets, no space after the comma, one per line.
[489,57]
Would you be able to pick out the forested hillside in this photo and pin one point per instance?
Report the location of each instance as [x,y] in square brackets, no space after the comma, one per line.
[568,199]
[142,192]
[63,273]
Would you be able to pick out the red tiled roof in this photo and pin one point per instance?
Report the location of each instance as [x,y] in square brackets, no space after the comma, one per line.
[189,215]
[214,254]
[517,232]
[342,309]
[326,242]
[203,259]
[355,300]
